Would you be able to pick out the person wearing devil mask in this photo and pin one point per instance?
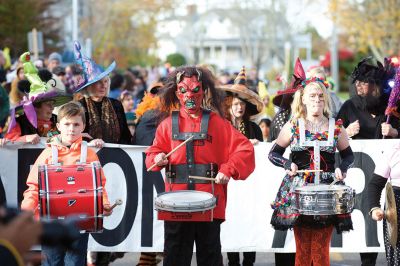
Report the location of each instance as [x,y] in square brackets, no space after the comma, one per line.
[217,147]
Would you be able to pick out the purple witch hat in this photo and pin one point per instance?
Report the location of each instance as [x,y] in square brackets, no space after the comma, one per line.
[91,71]
[39,91]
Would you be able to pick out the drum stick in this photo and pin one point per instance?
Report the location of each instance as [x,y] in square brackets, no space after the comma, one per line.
[308,171]
[334,182]
[117,202]
[171,152]
[201,177]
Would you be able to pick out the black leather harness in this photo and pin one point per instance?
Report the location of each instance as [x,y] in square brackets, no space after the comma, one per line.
[179,173]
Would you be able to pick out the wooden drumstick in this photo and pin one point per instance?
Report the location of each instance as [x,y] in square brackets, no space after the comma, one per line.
[308,171]
[117,202]
[201,177]
[171,152]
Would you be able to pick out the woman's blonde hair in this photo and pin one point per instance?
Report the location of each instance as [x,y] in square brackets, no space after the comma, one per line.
[299,109]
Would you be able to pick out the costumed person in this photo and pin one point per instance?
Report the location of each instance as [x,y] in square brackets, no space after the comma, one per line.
[283,100]
[217,148]
[319,72]
[149,116]
[106,121]
[387,172]
[4,109]
[33,117]
[364,118]
[240,104]
[67,145]
[269,108]
[311,121]
[363,114]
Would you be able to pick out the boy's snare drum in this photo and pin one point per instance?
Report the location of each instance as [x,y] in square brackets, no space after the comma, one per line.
[72,190]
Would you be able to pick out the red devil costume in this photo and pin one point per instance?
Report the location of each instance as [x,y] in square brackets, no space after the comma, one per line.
[216,147]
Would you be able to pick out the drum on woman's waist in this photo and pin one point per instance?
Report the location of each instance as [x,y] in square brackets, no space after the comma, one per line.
[185,205]
[324,199]
[72,191]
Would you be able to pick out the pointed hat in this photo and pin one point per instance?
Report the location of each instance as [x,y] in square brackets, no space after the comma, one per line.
[92,72]
[240,89]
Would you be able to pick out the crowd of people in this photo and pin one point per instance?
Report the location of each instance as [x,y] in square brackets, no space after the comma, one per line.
[83,102]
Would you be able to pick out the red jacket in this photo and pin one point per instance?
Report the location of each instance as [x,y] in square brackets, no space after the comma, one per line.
[224,146]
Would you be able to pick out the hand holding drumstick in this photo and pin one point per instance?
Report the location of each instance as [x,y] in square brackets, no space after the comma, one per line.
[161,158]
[109,209]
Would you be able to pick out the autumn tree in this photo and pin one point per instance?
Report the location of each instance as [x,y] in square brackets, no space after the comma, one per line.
[123,30]
[372,25]
[18,17]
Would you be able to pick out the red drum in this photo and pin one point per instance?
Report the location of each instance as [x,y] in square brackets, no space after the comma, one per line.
[72,190]
[185,205]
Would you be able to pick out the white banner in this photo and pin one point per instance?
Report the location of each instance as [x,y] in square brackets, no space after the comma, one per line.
[133,227]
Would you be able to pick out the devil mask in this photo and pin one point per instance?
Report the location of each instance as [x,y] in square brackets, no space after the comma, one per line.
[190,94]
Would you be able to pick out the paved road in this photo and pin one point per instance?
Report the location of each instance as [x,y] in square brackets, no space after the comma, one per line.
[267,259]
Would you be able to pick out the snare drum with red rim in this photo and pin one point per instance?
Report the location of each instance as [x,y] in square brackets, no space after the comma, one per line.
[185,205]
[72,190]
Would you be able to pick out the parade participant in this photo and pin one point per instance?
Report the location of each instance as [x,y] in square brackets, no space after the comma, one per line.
[364,118]
[106,121]
[240,103]
[283,99]
[319,72]
[71,122]
[385,170]
[363,114]
[33,117]
[311,119]
[190,91]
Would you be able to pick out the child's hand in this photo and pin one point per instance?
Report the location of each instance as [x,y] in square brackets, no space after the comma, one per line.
[3,142]
[98,143]
[107,211]
[86,135]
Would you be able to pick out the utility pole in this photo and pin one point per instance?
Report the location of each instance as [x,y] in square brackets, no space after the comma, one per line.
[74,20]
[335,58]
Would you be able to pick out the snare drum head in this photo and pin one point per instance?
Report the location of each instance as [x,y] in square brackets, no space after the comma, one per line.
[185,200]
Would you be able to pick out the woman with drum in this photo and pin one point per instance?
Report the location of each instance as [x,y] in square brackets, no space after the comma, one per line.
[311,122]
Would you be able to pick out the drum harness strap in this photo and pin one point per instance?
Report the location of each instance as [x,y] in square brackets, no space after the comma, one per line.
[180,173]
[54,154]
[54,161]
[316,144]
